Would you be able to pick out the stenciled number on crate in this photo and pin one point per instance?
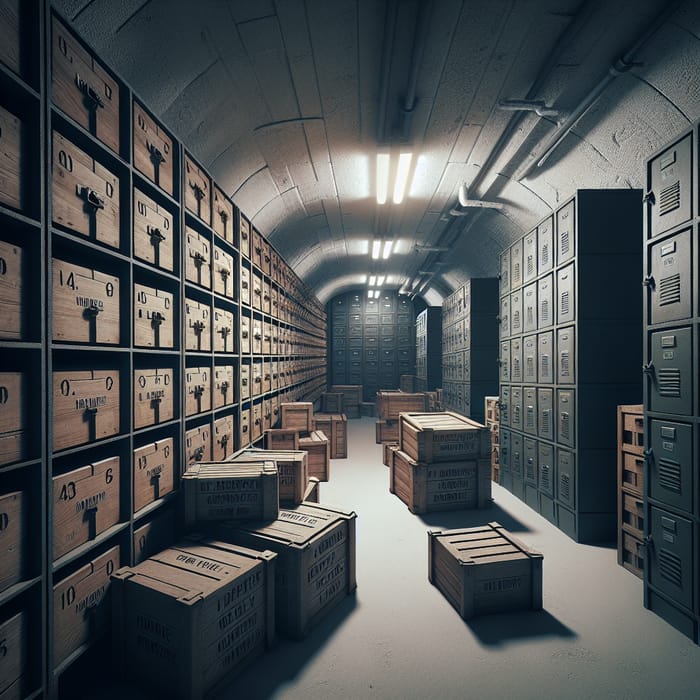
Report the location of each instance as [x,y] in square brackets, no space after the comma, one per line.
[90,404]
[154,478]
[155,397]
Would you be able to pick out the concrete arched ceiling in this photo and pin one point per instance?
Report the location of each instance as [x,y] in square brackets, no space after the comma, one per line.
[288,102]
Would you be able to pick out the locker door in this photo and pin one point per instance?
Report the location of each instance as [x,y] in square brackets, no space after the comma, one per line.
[505,450]
[545,414]
[530,358]
[504,406]
[566,295]
[530,256]
[504,277]
[530,461]
[530,308]
[670,372]
[545,360]
[545,238]
[505,361]
[545,308]
[516,312]
[670,284]
[669,202]
[545,463]
[516,360]
[566,417]
[566,355]
[516,407]
[566,233]
[670,556]
[516,455]
[530,409]
[516,264]
[672,478]
[566,478]
[504,329]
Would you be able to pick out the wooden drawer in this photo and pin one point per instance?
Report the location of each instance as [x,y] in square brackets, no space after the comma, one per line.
[85,406]
[245,433]
[266,257]
[197,326]
[153,150]
[85,305]
[85,503]
[245,381]
[82,87]
[257,291]
[223,438]
[153,317]
[224,279]
[85,194]
[267,338]
[197,191]
[197,258]
[274,302]
[153,232]
[10,47]
[11,292]
[224,327]
[256,242]
[257,378]
[256,421]
[154,536]
[267,410]
[257,336]
[198,390]
[154,396]
[81,603]
[14,544]
[631,554]
[266,297]
[11,164]
[267,380]
[154,474]
[633,515]
[223,215]
[245,285]
[12,401]
[631,428]
[224,386]
[244,233]
[198,444]
[632,475]
[14,634]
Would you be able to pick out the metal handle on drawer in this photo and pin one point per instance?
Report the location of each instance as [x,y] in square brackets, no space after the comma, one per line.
[90,197]
[157,156]
[91,97]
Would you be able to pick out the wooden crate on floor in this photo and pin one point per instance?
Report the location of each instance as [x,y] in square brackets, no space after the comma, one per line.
[192,615]
[352,396]
[334,426]
[282,439]
[391,403]
[406,382]
[492,409]
[367,408]
[298,415]
[318,448]
[331,402]
[386,431]
[483,570]
[388,452]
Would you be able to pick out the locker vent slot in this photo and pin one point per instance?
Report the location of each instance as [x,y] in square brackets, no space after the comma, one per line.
[670,567]
[670,198]
[544,311]
[670,475]
[530,265]
[516,367]
[530,316]
[544,422]
[670,382]
[516,464]
[530,366]
[516,414]
[544,477]
[516,319]
[516,274]
[530,417]
[565,425]
[564,486]
[564,304]
[544,366]
[530,469]
[565,242]
[544,254]
[564,369]
[670,290]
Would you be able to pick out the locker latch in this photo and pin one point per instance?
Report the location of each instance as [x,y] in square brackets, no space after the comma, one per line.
[649,197]
[91,98]
[648,368]
[156,156]
[155,481]
[197,191]
[155,235]
[90,197]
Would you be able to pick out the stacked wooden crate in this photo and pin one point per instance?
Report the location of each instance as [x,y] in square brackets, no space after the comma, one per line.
[352,397]
[630,483]
[390,403]
[493,423]
[335,427]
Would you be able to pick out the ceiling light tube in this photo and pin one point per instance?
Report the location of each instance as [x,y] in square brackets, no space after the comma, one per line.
[386,252]
[370,293]
[380,280]
[372,280]
[402,177]
[376,294]
[375,249]
[382,177]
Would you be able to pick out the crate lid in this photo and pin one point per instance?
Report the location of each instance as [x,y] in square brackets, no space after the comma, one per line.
[256,453]
[228,470]
[442,420]
[315,436]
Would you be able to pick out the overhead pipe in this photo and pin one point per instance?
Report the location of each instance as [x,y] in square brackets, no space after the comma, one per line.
[388,48]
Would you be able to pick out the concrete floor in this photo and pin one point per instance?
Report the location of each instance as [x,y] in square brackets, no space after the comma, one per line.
[398,638]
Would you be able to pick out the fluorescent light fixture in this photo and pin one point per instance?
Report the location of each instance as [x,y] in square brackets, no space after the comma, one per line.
[364,249]
[375,249]
[382,177]
[372,280]
[386,252]
[370,293]
[380,280]
[402,177]
[376,294]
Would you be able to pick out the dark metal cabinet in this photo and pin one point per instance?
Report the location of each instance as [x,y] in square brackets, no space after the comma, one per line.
[670,284]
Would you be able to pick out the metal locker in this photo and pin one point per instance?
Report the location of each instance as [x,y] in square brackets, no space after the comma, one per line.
[355,330]
[386,320]
[516,455]
[466,365]
[504,405]
[504,276]
[530,461]
[670,465]
[530,256]
[669,559]
[545,358]
[530,410]
[566,478]
[545,242]
[505,450]
[516,312]
[339,343]
[355,343]
[530,308]
[670,284]
[516,264]
[516,407]
[371,341]
[566,232]
[386,329]
[516,360]
[354,355]
[545,298]
[371,354]
[504,361]
[566,417]
[530,358]
[339,355]
[566,295]
[670,372]
[504,320]
[545,413]
[670,199]
[545,465]
[566,355]
[371,306]
[339,331]
[371,319]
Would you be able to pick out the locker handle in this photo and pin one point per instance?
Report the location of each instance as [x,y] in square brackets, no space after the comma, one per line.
[649,281]
[91,311]
[224,387]
[157,318]
[90,197]
[156,156]
[649,197]
[155,235]
[197,191]
[91,98]
[648,368]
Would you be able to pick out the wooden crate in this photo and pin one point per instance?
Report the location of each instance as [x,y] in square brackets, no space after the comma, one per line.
[633,515]
[257,337]
[215,491]
[632,554]
[282,439]
[198,444]
[318,448]
[245,381]
[257,372]
[424,488]
[331,402]
[245,335]
[154,472]
[193,615]
[197,191]
[244,429]
[223,438]
[83,88]
[85,406]
[257,290]
[12,166]
[266,257]
[224,327]
[153,232]
[256,248]
[630,428]
[153,150]
[224,386]
[256,421]
[267,381]
[298,415]
[14,662]
[367,408]
[85,504]
[352,396]
[153,317]
[14,545]
[496,463]
[85,304]
[267,413]
[197,326]
[10,41]
[315,545]
[155,535]
[223,216]
[197,258]
[483,570]
[386,431]
[11,294]
[491,409]
[335,427]
[81,604]
[12,402]
[391,403]
[245,285]
[244,233]
[632,473]
[388,449]
[84,194]
[224,277]
[197,390]
[438,437]
[154,396]
[266,297]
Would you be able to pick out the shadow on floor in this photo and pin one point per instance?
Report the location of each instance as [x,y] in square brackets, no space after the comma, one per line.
[498,630]
[453,519]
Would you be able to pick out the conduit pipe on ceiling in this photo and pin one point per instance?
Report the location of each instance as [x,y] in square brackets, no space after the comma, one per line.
[388,48]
